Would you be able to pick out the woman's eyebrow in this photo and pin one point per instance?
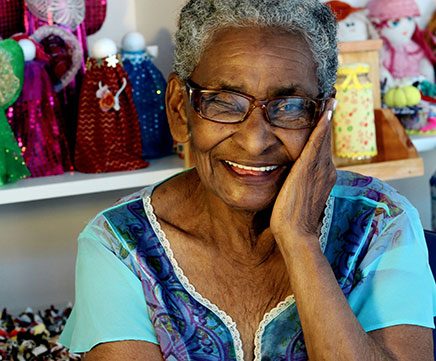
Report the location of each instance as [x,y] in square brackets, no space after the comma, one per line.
[292,89]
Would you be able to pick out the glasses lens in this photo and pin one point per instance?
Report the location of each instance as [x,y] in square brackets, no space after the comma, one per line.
[292,112]
[223,106]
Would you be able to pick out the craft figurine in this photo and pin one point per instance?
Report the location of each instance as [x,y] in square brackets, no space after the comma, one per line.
[36,117]
[148,86]
[402,57]
[12,165]
[108,134]
[353,23]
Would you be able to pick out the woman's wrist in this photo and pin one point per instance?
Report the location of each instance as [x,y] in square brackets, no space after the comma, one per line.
[298,245]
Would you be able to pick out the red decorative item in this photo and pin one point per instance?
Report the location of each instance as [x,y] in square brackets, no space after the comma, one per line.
[342,9]
[108,134]
[95,15]
[11,17]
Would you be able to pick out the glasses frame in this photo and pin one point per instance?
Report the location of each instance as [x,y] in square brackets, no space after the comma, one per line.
[195,91]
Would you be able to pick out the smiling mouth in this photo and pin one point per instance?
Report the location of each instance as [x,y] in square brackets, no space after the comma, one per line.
[245,170]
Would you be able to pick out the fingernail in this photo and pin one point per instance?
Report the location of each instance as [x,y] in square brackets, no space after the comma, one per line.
[329,115]
[335,104]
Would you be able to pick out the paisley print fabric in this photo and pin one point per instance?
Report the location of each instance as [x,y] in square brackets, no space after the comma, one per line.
[369,233]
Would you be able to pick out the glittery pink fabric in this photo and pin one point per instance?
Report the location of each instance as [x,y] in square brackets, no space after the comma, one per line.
[11,17]
[95,15]
[36,121]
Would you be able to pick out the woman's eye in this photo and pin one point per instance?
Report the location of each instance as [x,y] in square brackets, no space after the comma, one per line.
[288,107]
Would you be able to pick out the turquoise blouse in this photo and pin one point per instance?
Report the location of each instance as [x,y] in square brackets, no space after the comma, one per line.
[130,287]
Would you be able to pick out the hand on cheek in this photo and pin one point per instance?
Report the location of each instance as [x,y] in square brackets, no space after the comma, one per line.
[301,201]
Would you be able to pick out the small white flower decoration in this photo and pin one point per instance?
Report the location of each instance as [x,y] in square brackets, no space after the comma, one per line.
[112,61]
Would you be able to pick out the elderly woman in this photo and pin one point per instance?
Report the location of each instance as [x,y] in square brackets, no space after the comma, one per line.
[263,241]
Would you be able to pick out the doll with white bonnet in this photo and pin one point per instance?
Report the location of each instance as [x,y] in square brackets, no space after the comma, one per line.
[402,57]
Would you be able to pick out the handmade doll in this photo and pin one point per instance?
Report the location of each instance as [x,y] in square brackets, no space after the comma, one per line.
[353,23]
[12,166]
[402,57]
[108,135]
[36,117]
[148,86]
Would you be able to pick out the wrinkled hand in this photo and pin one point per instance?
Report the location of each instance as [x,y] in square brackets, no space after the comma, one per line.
[299,207]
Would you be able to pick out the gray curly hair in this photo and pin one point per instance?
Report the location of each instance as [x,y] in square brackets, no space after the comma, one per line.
[200,19]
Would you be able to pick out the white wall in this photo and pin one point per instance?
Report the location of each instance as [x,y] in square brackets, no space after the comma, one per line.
[417,189]
[37,239]
[156,21]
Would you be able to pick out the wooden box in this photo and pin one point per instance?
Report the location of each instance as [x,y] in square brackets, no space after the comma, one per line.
[397,157]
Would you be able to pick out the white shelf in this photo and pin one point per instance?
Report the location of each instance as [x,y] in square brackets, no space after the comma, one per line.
[75,183]
[424,143]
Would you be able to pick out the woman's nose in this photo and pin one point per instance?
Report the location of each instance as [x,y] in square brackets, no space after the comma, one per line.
[255,134]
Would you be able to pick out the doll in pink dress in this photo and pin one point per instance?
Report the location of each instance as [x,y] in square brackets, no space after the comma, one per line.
[402,56]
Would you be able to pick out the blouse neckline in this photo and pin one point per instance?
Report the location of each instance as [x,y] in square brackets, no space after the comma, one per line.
[222,315]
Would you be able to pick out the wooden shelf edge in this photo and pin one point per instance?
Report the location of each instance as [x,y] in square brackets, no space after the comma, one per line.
[360,46]
[390,170]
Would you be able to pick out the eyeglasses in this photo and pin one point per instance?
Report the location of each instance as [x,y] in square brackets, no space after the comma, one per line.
[231,107]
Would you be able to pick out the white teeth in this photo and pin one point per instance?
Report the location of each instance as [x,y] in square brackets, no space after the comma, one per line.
[257,169]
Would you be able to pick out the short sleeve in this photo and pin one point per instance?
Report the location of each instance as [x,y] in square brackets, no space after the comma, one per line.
[110,303]
[396,283]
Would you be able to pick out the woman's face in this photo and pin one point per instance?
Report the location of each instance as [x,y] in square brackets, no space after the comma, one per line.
[263,64]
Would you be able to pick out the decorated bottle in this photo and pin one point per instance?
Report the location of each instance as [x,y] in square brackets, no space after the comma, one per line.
[353,121]
[148,85]
[36,117]
[108,135]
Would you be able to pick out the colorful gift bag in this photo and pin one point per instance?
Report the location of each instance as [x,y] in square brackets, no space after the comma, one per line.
[108,136]
[12,166]
[353,122]
[149,95]
[36,119]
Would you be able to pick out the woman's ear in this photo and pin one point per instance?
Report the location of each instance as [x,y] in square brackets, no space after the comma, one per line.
[175,101]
